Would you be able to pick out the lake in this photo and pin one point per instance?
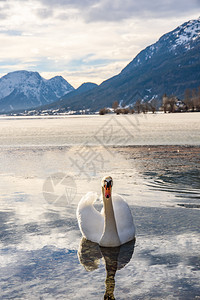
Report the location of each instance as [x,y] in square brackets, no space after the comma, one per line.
[48,163]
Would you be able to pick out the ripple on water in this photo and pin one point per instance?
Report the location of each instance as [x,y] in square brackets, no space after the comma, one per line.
[184,185]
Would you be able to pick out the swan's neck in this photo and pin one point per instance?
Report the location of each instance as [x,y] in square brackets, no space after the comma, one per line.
[110,237]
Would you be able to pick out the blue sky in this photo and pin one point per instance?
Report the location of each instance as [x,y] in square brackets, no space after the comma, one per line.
[83,40]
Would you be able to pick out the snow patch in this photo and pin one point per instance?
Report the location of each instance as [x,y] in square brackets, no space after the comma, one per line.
[32,86]
[186,33]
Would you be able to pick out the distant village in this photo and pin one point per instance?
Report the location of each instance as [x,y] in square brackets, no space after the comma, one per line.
[170,104]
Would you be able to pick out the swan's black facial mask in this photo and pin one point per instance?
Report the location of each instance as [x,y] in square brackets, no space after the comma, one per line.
[108,183]
[107,186]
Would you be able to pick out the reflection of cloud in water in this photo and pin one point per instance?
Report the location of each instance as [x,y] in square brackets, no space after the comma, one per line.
[115,259]
[44,259]
[38,241]
[50,227]
[163,267]
[43,272]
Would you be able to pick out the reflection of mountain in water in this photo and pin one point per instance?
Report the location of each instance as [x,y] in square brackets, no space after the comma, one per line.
[115,258]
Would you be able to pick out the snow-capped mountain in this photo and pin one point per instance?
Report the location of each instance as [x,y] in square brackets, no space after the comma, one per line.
[62,102]
[24,89]
[171,65]
[180,40]
[186,33]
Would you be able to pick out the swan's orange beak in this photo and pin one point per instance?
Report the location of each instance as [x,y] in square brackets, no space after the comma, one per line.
[107,191]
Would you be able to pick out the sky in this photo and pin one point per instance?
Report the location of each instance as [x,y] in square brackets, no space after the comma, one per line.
[84,40]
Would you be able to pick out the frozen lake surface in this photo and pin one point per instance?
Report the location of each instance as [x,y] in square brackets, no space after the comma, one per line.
[148,129]
[47,164]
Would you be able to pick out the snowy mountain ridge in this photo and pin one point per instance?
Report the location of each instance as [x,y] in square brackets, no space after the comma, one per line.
[171,65]
[180,39]
[25,89]
[187,32]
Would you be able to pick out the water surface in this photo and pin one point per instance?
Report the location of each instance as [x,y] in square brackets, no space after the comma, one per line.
[154,162]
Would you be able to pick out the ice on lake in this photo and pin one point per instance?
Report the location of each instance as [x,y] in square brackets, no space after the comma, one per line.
[143,129]
[47,164]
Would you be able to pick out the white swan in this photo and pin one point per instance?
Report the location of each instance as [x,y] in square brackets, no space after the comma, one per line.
[113,226]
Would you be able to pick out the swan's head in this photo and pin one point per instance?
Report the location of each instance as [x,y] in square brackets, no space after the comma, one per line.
[107,184]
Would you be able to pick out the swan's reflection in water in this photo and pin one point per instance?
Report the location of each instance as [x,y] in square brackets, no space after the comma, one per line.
[115,258]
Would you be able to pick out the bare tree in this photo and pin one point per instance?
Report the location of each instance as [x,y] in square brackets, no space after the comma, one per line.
[165,102]
[126,111]
[187,98]
[138,106]
[118,111]
[115,105]
[169,103]
[103,111]
[198,99]
[153,105]
[172,101]
[144,107]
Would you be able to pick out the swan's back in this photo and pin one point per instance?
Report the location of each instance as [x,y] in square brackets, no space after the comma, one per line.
[124,219]
[91,222]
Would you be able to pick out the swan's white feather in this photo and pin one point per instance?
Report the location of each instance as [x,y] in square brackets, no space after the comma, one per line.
[91,222]
[124,219]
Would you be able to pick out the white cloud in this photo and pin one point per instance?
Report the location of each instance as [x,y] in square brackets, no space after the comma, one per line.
[118,10]
[83,40]
[91,74]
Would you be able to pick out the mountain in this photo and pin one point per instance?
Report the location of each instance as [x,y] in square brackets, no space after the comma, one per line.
[87,86]
[83,88]
[171,65]
[23,90]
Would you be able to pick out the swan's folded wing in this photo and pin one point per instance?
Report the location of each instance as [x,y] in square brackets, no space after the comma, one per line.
[90,221]
[124,219]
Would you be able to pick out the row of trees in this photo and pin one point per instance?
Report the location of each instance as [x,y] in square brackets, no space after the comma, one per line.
[118,111]
[138,107]
[191,102]
[192,99]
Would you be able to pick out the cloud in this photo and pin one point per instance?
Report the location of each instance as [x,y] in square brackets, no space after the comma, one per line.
[44,13]
[3,15]
[4,9]
[115,11]
[70,3]
[96,73]
[85,40]
[11,32]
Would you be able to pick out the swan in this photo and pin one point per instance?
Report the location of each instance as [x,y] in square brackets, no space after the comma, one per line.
[111,227]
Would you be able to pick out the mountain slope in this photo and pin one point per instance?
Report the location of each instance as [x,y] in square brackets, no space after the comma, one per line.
[171,65]
[83,88]
[23,90]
